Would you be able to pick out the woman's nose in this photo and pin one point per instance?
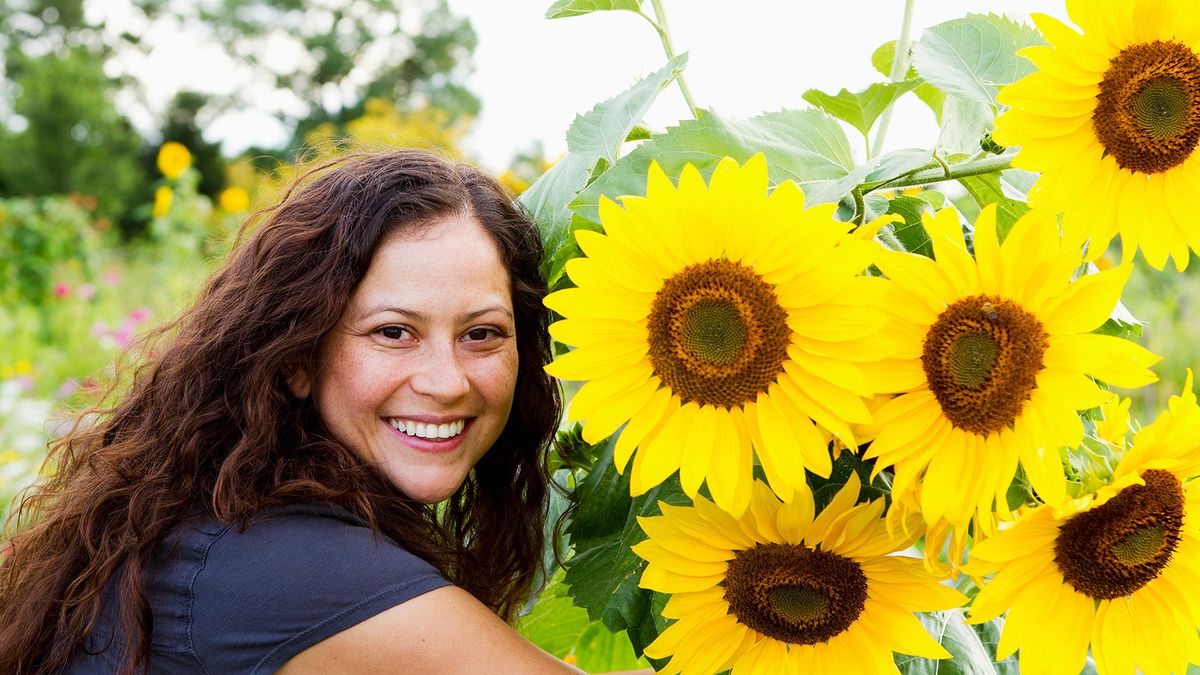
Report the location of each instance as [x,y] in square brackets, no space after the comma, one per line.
[441,375]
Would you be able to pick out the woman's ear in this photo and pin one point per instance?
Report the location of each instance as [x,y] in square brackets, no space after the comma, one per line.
[298,380]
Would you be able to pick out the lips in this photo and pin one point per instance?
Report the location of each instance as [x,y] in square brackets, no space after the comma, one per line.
[428,430]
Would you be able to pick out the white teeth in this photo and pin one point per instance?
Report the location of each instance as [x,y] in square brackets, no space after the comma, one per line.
[439,432]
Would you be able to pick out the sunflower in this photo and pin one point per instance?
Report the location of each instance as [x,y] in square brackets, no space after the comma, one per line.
[173,159]
[997,357]
[779,591]
[1116,569]
[1112,119]
[715,321]
[163,198]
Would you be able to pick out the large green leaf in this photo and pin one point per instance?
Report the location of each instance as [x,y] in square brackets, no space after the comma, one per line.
[969,655]
[592,137]
[603,574]
[985,189]
[989,636]
[600,651]
[930,95]
[861,109]
[972,57]
[547,200]
[599,133]
[964,124]
[565,8]
[806,146]
[910,234]
[556,625]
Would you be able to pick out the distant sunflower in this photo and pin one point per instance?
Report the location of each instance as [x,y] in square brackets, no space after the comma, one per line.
[779,591]
[714,321]
[1117,569]
[996,361]
[1112,120]
[173,159]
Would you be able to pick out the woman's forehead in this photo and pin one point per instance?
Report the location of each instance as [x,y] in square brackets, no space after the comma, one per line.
[450,266]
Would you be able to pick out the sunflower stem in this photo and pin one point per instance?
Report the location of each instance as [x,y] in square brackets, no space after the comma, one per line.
[860,207]
[664,34]
[899,69]
[944,172]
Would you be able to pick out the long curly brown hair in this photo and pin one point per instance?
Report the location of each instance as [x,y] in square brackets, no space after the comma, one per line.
[209,420]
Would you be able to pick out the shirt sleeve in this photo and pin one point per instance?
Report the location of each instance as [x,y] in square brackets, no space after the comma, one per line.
[291,580]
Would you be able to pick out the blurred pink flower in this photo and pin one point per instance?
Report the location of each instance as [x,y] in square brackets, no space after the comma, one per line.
[61,290]
[111,277]
[140,314]
[86,292]
[69,387]
[99,329]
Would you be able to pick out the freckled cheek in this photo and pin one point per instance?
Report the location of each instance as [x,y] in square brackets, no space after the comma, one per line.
[364,384]
[495,378]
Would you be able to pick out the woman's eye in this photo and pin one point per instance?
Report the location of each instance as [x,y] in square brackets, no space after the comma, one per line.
[393,332]
[480,334]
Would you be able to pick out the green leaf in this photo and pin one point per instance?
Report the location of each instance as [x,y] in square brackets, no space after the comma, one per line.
[985,189]
[896,163]
[989,636]
[972,57]
[806,146]
[555,623]
[599,651]
[592,142]
[600,132]
[911,233]
[861,109]
[969,655]
[964,125]
[847,463]
[546,202]
[603,574]
[930,95]
[565,8]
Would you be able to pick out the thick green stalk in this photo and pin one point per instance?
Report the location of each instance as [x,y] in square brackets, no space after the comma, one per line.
[664,34]
[975,167]
[899,70]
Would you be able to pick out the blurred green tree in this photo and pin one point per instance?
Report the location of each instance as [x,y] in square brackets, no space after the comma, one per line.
[413,53]
[64,135]
[67,61]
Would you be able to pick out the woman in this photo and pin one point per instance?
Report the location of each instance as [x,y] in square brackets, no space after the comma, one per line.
[263,496]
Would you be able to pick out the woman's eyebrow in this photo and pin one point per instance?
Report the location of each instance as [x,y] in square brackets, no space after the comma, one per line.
[415,315]
[487,310]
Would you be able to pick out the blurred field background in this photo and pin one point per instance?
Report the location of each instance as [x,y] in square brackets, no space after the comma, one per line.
[113,211]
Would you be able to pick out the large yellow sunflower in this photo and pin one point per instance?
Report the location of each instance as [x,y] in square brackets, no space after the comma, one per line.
[716,320]
[996,358]
[1117,569]
[1112,120]
[779,591]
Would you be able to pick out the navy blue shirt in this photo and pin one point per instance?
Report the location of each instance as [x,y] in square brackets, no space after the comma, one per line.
[226,601]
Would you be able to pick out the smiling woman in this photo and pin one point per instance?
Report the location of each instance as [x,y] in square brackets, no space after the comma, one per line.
[331,462]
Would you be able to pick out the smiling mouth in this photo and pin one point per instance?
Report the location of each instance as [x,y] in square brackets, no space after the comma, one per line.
[428,431]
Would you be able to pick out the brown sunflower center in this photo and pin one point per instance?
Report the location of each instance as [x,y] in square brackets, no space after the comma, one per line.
[717,334]
[1147,113]
[1123,544]
[981,359]
[793,593]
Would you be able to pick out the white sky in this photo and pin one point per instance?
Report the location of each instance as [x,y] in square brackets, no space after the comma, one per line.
[534,75]
[745,57]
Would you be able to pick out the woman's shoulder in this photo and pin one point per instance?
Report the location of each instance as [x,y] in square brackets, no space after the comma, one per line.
[293,576]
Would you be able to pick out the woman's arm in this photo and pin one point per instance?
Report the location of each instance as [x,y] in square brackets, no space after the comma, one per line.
[443,631]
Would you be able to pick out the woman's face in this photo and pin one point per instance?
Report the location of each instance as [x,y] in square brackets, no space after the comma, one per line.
[418,376]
